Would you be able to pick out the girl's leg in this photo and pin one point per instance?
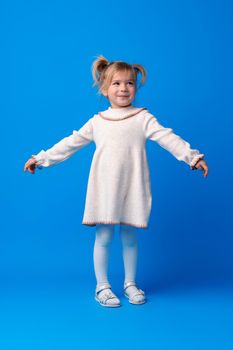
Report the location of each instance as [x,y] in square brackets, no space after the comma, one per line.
[130,256]
[104,237]
[103,240]
[130,251]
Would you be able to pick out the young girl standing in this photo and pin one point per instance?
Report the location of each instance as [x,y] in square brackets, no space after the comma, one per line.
[118,190]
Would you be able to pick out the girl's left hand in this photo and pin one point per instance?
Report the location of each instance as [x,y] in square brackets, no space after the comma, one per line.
[201,165]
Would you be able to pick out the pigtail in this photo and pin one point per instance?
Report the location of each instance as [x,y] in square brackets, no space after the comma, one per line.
[98,68]
[138,68]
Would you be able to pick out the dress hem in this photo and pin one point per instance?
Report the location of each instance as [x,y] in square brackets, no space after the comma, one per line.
[87,223]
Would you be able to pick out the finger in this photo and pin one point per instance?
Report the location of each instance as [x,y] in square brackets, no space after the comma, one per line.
[30,167]
[26,167]
[202,168]
[205,170]
[27,164]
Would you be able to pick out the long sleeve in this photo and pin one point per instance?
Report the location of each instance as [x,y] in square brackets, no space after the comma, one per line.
[66,147]
[173,143]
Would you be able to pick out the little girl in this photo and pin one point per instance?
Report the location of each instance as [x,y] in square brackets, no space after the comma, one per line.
[118,190]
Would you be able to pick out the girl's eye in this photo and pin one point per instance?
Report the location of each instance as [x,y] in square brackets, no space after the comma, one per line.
[117,83]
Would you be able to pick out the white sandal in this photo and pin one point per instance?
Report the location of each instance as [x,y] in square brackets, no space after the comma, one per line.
[138,292]
[103,300]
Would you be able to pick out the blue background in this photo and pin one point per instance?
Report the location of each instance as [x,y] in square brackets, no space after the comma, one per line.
[185,257]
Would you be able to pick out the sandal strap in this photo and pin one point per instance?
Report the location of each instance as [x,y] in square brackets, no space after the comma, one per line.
[129,284]
[105,297]
[102,287]
[139,292]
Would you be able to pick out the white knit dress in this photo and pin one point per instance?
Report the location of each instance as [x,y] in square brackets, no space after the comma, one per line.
[119,188]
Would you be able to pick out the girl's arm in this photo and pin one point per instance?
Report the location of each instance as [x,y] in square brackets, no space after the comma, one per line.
[66,147]
[173,143]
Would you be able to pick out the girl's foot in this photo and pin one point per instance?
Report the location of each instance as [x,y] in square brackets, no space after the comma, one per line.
[106,297]
[134,294]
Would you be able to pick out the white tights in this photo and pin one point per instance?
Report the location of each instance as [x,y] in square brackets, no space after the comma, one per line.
[104,237]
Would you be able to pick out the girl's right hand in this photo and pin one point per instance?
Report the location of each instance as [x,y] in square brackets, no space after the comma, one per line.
[30,165]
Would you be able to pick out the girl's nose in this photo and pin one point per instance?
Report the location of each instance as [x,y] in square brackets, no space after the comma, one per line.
[123,87]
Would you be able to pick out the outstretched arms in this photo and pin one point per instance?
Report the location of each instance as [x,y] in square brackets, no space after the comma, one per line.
[174,144]
[61,150]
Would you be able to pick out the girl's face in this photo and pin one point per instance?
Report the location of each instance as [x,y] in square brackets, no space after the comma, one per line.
[121,90]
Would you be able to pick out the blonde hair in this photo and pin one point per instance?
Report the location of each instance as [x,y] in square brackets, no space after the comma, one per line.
[103,71]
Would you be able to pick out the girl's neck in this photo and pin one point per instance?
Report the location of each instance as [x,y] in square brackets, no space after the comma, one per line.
[119,107]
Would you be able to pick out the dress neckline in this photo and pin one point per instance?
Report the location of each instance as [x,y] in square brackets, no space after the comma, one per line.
[116,114]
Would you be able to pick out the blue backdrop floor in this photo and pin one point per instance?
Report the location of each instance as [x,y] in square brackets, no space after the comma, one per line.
[60,314]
